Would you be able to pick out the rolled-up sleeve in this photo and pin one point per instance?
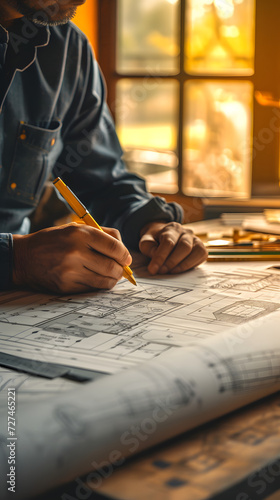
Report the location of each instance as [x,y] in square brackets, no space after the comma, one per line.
[6,260]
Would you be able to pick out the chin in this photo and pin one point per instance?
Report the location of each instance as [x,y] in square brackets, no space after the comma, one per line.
[54,20]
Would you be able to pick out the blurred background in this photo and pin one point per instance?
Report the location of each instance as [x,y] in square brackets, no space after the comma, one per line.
[193,86]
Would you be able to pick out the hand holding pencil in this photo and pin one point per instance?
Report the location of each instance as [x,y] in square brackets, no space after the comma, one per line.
[81,211]
[71,258]
[77,258]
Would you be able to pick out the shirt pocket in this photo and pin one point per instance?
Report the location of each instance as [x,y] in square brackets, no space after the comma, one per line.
[29,169]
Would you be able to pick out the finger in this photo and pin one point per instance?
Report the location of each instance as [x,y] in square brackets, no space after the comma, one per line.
[107,242]
[103,266]
[90,261]
[113,232]
[109,246]
[197,256]
[75,283]
[97,281]
[181,251]
[148,245]
[84,271]
[168,242]
[85,282]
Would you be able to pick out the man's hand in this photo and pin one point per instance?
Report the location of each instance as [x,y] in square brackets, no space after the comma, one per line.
[171,247]
[70,258]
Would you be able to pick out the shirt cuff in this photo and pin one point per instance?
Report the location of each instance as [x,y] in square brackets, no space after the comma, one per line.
[6,261]
[155,210]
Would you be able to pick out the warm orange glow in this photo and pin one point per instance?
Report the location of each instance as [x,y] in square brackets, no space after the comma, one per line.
[86,20]
[266,99]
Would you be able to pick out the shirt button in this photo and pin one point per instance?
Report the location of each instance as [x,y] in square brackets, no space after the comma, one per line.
[13,185]
[53,141]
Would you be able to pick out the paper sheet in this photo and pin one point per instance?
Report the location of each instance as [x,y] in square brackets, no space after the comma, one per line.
[160,389]
[117,416]
[111,331]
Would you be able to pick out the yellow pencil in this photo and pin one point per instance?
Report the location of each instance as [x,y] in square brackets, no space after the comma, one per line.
[81,211]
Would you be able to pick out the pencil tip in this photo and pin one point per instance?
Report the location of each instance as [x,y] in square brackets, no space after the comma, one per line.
[132,280]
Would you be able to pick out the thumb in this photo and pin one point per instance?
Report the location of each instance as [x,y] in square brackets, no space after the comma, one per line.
[148,245]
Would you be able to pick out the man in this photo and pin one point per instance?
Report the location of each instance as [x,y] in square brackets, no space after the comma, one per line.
[54,121]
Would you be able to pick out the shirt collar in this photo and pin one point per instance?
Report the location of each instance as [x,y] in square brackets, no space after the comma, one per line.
[4,35]
[23,37]
[28,32]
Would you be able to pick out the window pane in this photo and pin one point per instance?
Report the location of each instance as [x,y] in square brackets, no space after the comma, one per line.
[147,37]
[217,138]
[220,37]
[146,122]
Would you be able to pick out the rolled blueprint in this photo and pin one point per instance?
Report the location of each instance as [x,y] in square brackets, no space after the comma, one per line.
[108,420]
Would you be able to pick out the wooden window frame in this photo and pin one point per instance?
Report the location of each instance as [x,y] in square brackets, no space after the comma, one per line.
[266,119]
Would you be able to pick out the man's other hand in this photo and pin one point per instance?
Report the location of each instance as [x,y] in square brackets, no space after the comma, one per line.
[69,259]
[171,247]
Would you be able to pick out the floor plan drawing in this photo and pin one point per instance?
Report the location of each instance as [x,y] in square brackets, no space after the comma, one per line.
[118,328]
[249,283]
[163,358]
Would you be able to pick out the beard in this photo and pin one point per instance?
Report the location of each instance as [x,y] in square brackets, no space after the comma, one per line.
[50,15]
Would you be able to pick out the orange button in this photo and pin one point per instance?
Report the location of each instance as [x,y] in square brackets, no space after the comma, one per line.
[52,141]
[22,136]
[13,185]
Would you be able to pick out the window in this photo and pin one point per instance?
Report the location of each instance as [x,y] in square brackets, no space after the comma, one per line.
[194,88]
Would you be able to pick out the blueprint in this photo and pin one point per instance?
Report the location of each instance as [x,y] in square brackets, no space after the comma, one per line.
[74,432]
[113,330]
[208,461]
[174,353]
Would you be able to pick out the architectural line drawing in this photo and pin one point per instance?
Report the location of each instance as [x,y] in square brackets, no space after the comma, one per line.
[180,351]
[119,328]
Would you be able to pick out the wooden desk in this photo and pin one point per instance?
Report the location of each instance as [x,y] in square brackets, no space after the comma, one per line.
[236,457]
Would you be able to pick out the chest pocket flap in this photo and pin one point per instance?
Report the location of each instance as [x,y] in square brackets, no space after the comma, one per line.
[35,147]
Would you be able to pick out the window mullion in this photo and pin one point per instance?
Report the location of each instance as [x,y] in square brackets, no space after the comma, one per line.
[265,174]
[182,35]
[107,16]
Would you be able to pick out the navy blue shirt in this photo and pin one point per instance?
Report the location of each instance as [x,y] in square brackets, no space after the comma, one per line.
[54,121]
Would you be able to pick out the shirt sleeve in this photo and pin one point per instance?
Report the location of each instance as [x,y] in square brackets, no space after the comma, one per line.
[91,163]
[6,260]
